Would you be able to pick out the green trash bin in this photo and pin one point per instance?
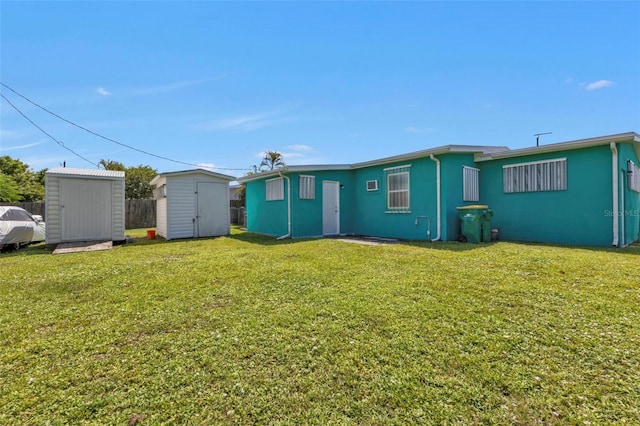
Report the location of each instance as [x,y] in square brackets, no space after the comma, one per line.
[476,223]
[486,225]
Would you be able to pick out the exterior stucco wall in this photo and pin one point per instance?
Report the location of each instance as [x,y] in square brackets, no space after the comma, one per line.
[307,214]
[576,215]
[265,217]
[270,217]
[582,214]
[373,218]
[452,192]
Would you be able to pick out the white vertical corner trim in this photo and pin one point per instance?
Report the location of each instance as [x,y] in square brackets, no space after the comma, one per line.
[622,179]
[438,207]
[288,207]
[614,178]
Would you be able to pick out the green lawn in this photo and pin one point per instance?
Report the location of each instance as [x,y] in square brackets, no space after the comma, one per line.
[245,329]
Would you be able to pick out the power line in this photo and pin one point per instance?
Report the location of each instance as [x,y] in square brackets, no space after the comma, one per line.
[43,131]
[113,140]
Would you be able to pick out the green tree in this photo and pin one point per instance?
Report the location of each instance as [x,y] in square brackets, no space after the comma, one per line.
[271,160]
[136,179]
[29,184]
[112,165]
[8,189]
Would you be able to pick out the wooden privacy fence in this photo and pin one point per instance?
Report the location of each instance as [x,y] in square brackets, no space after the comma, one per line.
[34,207]
[138,213]
[238,216]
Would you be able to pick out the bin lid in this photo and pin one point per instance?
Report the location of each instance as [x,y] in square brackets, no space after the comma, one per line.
[475,207]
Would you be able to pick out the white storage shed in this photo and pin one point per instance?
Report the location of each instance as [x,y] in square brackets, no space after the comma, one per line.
[84,205]
[191,204]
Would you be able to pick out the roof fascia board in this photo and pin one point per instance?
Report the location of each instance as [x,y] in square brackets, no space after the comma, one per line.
[447,149]
[294,169]
[562,146]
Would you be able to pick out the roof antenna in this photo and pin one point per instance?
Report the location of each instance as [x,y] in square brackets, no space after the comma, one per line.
[537,135]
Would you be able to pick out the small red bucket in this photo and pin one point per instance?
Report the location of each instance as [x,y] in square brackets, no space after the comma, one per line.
[151,234]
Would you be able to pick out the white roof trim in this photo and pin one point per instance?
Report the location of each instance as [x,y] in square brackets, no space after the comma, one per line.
[287,169]
[481,153]
[447,149]
[561,146]
[97,173]
[464,149]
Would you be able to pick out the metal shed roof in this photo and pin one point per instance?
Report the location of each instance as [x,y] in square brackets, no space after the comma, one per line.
[99,173]
[192,172]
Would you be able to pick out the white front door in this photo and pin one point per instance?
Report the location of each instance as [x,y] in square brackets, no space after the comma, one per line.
[213,209]
[330,207]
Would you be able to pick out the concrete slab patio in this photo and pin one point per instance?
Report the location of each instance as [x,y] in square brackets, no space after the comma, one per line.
[79,246]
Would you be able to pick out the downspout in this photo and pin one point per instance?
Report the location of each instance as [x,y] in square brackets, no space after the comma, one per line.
[288,235]
[622,220]
[614,177]
[439,213]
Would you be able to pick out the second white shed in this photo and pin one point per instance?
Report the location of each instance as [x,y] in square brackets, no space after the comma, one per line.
[191,204]
[84,205]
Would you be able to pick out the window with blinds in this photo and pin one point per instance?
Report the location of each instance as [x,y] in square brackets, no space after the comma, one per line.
[275,189]
[307,190]
[470,184]
[548,175]
[398,189]
[633,173]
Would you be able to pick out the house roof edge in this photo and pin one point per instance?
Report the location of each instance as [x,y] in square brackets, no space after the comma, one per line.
[293,169]
[561,146]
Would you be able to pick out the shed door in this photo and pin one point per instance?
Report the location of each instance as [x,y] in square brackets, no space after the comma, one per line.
[213,209]
[86,209]
[330,208]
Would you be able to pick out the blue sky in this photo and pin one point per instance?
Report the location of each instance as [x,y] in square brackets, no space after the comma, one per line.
[217,83]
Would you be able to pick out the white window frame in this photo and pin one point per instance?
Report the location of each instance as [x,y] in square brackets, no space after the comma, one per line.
[535,176]
[633,173]
[470,184]
[396,171]
[372,185]
[275,189]
[307,187]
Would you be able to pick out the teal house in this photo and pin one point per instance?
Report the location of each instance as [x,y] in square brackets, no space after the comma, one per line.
[583,192]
